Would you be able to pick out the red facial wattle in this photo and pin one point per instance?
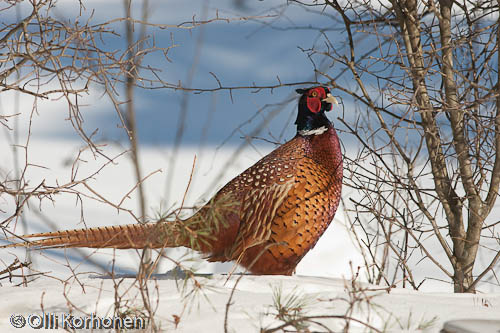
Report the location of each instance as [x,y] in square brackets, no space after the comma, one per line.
[313,104]
[314,98]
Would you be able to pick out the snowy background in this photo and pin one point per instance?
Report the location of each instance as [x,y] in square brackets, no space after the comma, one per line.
[216,132]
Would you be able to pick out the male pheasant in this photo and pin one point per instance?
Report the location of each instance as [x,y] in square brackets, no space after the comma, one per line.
[266,219]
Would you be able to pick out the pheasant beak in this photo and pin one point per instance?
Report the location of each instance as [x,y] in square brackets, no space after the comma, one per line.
[330,99]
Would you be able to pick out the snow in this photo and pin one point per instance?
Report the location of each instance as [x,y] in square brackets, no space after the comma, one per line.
[323,277]
[251,306]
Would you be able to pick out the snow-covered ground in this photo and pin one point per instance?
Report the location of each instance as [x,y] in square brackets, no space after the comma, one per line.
[252,305]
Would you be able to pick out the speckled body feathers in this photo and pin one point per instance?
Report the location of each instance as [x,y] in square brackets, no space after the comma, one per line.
[288,199]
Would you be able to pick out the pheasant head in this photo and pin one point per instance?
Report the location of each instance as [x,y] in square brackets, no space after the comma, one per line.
[313,104]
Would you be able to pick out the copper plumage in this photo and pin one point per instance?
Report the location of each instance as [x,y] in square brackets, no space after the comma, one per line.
[277,209]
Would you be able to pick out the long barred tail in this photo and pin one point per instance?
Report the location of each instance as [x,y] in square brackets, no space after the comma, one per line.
[129,236]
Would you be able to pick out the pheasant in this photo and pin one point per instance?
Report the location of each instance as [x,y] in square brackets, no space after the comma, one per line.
[266,219]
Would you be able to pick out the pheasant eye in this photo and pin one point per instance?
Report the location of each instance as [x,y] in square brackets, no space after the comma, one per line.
[314,94]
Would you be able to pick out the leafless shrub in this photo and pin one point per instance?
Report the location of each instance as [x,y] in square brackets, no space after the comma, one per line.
[423,76]
[16,270]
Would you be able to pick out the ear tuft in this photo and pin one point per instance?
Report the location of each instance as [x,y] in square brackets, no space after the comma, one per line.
[301,91]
